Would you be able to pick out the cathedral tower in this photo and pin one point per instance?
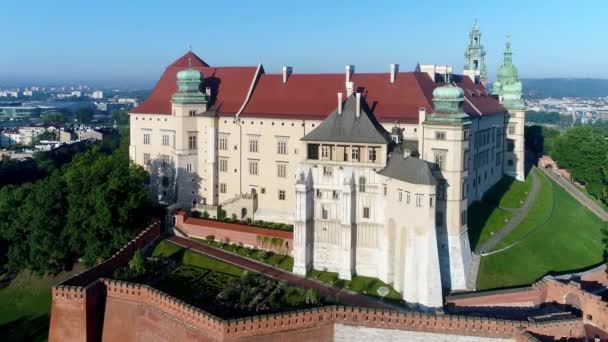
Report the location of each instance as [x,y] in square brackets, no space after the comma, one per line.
[509,91]
[446,143]
[475,65]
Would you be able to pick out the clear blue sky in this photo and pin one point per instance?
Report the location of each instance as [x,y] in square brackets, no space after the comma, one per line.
[120,41]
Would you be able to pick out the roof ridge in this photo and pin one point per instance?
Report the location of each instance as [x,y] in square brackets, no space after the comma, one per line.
[258,72]
[415,73]
[469,101]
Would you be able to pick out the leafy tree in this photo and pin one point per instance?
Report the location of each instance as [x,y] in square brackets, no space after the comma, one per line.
[46,135]
[120,116]
[106,196]
[53,117]
[583,151]
[88,207]
[85,115]
[138,263]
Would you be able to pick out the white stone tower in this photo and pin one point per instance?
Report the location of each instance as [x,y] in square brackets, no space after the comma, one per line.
[445,142]
[194,141]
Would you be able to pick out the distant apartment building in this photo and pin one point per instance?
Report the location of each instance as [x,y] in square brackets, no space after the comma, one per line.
[10,136]
[89,134]
[98,94]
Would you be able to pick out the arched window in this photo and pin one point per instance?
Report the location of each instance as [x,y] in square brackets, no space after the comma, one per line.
[361,184]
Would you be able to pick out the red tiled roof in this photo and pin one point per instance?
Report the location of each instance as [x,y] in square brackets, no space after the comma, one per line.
[229,86]
[479,96]
[314,96]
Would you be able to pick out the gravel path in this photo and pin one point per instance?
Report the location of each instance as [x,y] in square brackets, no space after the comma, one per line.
[578,194]
[518,215]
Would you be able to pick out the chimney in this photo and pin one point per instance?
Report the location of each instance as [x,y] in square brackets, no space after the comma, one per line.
[350,88]
[340,103]
[350,70]
[394,71]
[287,70]
[358,108]
[421,115]
[208,91]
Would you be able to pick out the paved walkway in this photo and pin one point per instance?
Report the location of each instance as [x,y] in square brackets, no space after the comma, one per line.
[518,215]
[343,296]
[578,194]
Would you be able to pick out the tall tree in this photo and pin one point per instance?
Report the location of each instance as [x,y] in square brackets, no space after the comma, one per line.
[583,151]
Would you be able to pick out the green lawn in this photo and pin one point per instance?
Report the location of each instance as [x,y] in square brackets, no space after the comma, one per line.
[539,214]
[483,220]
[165,248]
[509,192]
[190,258]
[284,262]
[486,217]
[568,238]
[26,305]
[360,284]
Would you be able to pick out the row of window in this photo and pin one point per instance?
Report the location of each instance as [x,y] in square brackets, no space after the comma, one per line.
[366,212]
[164,159]
[166,140]
[342,153]
[406,196]
[439,218]
[254,144]
[281,194]
[441,135]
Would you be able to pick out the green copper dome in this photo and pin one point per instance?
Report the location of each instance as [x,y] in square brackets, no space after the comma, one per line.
[448,101]
[189,79]
[507,71]
[189,83]
[189,74]
[448,92]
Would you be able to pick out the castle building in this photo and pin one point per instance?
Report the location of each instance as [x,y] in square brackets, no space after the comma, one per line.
[375,171]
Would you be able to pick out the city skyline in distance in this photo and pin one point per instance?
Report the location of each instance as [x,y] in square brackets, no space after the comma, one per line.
[117,44]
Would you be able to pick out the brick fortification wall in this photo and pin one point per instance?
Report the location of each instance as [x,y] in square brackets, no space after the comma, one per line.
[135,312]
[234,232]
[572,290]
[87,308]
[77,307]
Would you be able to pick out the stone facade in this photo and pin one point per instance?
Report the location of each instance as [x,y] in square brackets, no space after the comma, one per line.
[248,144]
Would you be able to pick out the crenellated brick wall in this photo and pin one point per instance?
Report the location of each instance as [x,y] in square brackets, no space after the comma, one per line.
[549,290]
[121,257]
[77,303]
[111,310]
[594,310]
[136,304]
[234,232]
